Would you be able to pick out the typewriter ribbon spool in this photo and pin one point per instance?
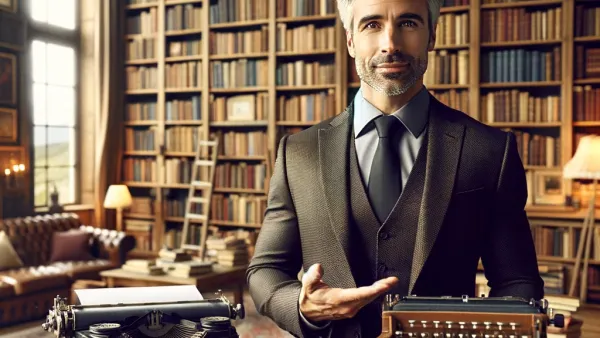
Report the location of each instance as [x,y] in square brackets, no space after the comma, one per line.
[200,318]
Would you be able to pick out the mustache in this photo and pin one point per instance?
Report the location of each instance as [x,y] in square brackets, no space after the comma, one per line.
[389,58]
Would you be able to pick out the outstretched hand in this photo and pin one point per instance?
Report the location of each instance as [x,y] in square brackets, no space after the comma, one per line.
[320,302]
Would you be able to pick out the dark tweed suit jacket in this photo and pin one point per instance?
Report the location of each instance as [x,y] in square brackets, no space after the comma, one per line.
[472,206]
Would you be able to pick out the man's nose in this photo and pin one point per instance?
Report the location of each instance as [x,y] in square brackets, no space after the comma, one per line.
[390,40]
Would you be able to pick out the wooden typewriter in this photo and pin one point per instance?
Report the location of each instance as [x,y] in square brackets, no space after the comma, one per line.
[464,317]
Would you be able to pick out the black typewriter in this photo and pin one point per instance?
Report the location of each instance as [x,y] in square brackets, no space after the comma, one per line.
[210,318]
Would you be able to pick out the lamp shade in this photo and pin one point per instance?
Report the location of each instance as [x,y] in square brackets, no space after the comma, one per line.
[585,164]
[117,196]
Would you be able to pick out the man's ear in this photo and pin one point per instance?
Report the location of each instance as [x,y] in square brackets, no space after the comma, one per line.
[350,43]
[432,37]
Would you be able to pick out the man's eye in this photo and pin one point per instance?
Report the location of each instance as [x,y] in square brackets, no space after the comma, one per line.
[408,24]
[371,25]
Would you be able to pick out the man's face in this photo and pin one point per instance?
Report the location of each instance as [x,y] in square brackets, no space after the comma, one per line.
[389,40]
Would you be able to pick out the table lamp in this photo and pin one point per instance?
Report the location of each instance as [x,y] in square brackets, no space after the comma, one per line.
[118,197]
[585,164]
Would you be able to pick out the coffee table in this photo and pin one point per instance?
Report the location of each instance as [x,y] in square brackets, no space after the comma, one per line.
[221,278]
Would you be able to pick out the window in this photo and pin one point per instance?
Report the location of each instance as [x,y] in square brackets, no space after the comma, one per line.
[54,90]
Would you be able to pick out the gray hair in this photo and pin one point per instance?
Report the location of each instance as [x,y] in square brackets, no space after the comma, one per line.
[345,9]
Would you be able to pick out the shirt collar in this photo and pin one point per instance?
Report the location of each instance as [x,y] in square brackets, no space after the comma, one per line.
[414,114]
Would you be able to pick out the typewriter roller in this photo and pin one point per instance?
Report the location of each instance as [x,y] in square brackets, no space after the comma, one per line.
[464,317]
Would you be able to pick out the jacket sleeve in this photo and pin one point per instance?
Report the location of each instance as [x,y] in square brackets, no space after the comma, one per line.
[272,274]
[509,256]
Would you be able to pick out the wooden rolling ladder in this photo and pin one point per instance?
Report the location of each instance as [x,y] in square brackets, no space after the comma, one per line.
[206,157]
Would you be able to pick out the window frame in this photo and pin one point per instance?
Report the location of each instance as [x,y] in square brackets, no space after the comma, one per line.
[48,33]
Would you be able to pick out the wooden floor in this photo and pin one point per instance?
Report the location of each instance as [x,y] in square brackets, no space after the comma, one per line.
[591,322]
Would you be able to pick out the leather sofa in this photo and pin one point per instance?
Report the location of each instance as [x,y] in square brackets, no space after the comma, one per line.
[27,293]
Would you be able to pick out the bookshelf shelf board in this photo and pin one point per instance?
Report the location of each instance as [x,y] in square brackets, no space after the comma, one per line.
[586,124]
[307,18]
[239,90]
[520,84]
[239,56]
[139,36]
[242,124]
[178,219]
[140,153]
[523,43]
[184,32]
[138,216]
[183,58]
[452,47]
[587,81]
[225,190]
[136,184]
[584,39]
[141,6]
[242,158]
[183,90]
[235,224]
[446,86]
[182,2]
[297,123]
[147,123]
[305,87]
[179,154]
[141,92]
[175,186]
[564,260]
[540,167]
[304,54]
[455,9]
[354,85]
[141,62]
[239,24]
[525,124]
[184,123]
[517,4]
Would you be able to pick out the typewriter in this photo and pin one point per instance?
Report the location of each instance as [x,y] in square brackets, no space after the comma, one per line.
[210,318]
[464,317]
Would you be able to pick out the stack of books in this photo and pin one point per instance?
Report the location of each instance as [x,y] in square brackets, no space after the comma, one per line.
[229,251]
[186,269]
[566,306]
[142,266]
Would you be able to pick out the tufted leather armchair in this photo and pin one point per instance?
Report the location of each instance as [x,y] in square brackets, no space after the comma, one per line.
[27,293]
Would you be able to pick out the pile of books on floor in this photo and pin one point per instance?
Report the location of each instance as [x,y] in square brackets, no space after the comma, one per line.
[178,263]
[566,306]
[228,251]
[142,266]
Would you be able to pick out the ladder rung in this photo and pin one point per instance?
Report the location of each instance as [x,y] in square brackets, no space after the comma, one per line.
[190,247]
[207,143]
[204,162]
[198,200]
[196,216]
[201,184]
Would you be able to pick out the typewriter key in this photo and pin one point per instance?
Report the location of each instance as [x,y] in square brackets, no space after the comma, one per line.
[105,328]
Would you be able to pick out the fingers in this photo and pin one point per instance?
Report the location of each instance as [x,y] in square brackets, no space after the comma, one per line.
[368,293]
[312,277]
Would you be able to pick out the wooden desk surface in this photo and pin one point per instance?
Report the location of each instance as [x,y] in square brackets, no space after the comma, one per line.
[219,274]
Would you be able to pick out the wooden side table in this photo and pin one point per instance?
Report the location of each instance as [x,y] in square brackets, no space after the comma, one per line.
[221,278]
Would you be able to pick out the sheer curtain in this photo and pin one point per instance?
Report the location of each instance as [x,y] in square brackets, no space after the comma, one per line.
[109,89]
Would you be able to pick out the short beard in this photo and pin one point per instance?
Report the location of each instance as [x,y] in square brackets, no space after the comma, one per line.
[392,84]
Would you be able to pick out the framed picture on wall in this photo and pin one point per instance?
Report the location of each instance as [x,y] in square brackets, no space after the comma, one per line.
[8,5]
[549,188]
[8,125]
[8,79]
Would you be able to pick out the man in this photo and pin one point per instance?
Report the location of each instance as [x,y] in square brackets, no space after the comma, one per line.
[398,194]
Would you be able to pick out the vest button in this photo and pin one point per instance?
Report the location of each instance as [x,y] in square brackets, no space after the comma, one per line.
[382,267]
[384,235]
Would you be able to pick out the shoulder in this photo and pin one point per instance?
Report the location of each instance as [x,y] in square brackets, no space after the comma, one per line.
[309,137]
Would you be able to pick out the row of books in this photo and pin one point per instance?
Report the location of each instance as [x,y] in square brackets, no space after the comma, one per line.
[184,109]
[175,207]
[457,99]
[189,47]
[445,67]
[241,176]
[245,209]
[184,74]
[519,106]
[139,111]
[305,38]
[239,73]
[294,8]
[182,139]
[304,72]
[521,65]
[142,77]
[518,24]
[538,150]
[246,41]
[146,23]
[452,29]
[586,103]
[139,169]
[247,107]
[587,62]
[587,20]
[140,140]
[306,107]
[140,48]
[183,17]
[223,11]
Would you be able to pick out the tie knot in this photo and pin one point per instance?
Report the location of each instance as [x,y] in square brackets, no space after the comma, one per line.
[387,125]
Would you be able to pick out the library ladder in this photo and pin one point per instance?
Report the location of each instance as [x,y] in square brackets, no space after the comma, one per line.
[206,158]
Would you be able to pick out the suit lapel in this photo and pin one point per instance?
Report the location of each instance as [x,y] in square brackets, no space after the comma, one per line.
[333,164]
[443,151]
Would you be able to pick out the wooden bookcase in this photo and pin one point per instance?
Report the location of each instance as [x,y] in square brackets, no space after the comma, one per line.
[475,34]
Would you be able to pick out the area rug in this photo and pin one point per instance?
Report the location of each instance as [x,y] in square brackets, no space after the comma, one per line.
[252,326]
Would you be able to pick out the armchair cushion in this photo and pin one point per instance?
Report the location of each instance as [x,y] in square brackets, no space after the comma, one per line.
[72,245]
[34,279]
[9,259]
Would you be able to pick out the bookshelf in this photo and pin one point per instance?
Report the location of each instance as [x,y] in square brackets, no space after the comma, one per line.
[195,66]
